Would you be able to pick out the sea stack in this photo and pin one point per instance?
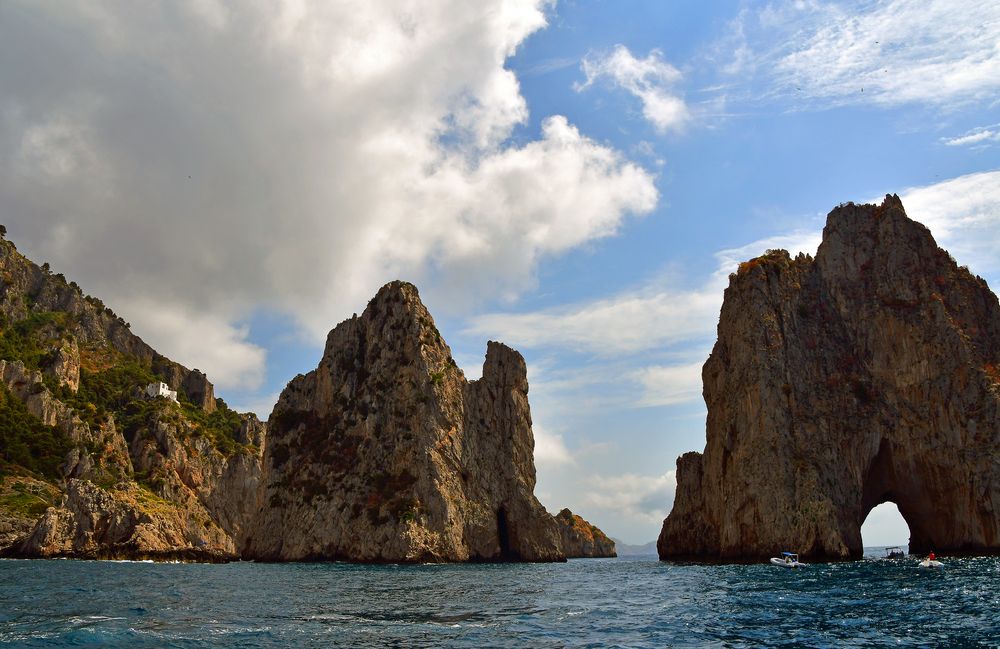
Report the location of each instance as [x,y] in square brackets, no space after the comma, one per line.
[868,374]
[386,453]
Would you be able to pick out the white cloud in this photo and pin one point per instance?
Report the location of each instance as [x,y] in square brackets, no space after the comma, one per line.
[550,449]
[890,52]
[978,137]
[290,156]
[260,406]
[665,385]
[637,498]
[201,340]
[648,79]
[625,323]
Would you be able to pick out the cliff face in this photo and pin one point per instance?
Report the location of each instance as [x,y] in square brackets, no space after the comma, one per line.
[386,452]
[867,375]
[580,539]
[128,476]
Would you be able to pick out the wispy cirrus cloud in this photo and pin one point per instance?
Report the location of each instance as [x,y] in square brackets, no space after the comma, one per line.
[892,52]
[978,137]
[963,214]
[650,79]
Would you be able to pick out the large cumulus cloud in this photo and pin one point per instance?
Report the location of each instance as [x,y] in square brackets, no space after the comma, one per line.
[192,162]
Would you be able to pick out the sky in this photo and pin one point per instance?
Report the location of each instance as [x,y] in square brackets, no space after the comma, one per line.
[576,179]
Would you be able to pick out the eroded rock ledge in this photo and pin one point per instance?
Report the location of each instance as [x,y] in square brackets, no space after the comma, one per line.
[868,374]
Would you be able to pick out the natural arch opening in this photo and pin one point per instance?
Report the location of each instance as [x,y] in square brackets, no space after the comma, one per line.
[885,527]
[896,484]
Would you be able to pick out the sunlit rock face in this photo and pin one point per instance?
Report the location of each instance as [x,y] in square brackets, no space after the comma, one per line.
[582,540]
[386,452]
[868,374]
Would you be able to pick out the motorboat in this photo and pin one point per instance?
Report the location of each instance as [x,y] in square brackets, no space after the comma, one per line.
[931,563]
[787,560]
[894,552]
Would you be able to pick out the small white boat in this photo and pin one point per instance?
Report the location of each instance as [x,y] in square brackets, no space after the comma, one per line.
[787,560]
[931,563]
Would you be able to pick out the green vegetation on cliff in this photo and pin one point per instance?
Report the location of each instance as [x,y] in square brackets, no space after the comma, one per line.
[28,341]
[27,442]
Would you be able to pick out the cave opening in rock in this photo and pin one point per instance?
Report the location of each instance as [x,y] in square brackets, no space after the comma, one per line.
[503,533]
[885,526]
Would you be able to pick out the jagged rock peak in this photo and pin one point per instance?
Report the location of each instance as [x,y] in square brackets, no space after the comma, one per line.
[385,452]
[866,375]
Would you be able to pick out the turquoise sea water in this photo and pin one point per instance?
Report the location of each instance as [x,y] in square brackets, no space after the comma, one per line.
[631,602]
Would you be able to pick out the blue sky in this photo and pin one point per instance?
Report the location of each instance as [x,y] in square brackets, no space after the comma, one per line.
[576,179]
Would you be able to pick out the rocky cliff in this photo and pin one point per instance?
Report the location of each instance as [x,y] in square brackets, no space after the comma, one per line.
[386,452]
[125,475]
[868,374]
[579,539]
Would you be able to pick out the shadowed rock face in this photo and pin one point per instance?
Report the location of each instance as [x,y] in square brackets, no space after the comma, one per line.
[386,452]
[867,375]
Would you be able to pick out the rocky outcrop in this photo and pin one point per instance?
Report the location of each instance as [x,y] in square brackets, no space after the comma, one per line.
[386,452]
[868,374]
[22,501]
[100,451]
[580,539]
[185,468]
[126,521]
[65,364]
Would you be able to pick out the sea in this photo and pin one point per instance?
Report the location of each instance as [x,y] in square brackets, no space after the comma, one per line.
[626,602]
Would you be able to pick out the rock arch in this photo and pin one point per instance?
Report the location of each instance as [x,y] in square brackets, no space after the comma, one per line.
[864,375]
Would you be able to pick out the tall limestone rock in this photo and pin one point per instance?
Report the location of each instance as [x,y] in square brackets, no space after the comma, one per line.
[386,452]
[867,375]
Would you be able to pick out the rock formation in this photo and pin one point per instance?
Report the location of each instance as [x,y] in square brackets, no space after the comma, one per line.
[580,539]
[386,452]
[868,374]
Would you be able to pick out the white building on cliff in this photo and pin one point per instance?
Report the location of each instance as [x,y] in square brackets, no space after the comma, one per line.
[154,390]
